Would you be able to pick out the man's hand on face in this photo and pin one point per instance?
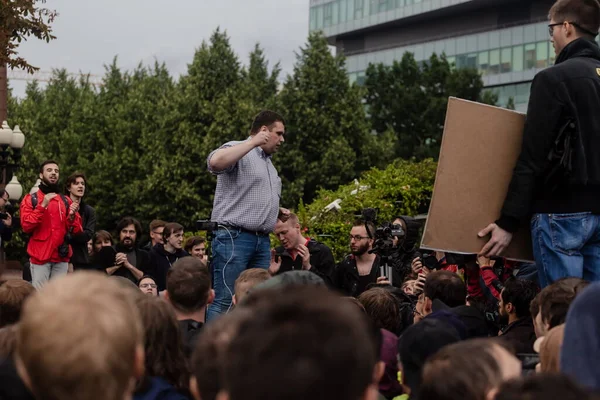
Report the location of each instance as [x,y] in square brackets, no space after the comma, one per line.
[8,221]
[47,199]
[305,255]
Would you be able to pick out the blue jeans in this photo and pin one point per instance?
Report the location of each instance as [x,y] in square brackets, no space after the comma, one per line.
[233,252]
[566,245]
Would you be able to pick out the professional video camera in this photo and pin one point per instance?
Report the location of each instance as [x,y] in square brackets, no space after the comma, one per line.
[383,240]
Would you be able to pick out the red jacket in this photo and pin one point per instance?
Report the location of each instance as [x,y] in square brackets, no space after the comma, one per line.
[48,227]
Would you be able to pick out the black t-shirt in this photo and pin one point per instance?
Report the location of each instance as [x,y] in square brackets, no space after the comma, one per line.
[190,330]
[364,281]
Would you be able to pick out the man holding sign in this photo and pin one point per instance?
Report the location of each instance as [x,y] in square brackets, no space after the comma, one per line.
[557,176]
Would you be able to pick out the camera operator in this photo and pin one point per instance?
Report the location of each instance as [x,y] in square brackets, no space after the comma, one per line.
[361,267]
[5,222]
[405,250]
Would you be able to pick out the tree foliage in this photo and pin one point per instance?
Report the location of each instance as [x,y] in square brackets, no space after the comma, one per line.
[143,137]
[19,20]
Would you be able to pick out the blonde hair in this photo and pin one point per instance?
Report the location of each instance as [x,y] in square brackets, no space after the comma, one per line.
[78,338]
[247,280]
[550,349]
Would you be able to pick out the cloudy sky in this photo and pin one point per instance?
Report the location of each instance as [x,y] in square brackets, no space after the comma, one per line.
[90,33]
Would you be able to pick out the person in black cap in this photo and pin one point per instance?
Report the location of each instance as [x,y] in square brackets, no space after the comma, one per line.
[417,344]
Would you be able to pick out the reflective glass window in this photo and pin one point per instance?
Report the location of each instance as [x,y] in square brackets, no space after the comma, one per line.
[495,61]
[530,56]
[517,58]
[472,60]
[541,60]
[484,62]
[505,60]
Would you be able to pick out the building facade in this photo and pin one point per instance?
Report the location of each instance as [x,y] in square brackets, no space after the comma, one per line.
[506,40]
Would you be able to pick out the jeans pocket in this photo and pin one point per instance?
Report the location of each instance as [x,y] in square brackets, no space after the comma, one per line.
[223,237]
[569,232]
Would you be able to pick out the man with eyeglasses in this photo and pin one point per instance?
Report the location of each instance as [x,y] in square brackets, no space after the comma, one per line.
[5,223]
[556,181]
[361,268]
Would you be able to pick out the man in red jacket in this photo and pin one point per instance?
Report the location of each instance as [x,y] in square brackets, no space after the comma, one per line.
[48,217]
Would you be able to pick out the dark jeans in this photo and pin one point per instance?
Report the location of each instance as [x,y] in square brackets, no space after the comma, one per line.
[233,252]
[566,245]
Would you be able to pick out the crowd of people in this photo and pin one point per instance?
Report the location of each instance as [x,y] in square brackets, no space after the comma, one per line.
[98,317]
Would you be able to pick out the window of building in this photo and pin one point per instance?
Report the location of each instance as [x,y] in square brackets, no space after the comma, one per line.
[335,12]
[517,58]
[542,55]
[343,11]
[313,18]
[484,62]
[522,95]
[494,61]
[530,56]
[328,15]
[361,78]
[452,61]
[505,60]
[461,61]
[552,55]
[359,7]
[472,60]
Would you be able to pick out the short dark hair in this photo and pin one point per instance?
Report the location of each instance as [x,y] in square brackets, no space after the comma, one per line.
[520,293]
[265,118]
[369,226]
[469,368]
[188,284]
[382,308]
[170,228]
[585,13]
[3,192]
[534,306]
[193,242]
[286,336]
[13,294]
[42,165]
[542,386]
[556,299]
[73,178]
[446,286]
[125,222]
[102,236]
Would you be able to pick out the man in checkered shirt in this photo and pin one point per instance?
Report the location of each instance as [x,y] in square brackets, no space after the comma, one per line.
[246,205]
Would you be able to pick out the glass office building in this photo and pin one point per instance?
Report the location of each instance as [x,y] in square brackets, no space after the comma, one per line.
[506,40]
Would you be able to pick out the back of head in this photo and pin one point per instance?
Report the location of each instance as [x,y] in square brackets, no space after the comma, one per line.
[188,284]
[309,343]
[447,287]
[418,343]
[384,309]
[581,346]
[208,358]
[163,343]
[542,387]
[79,338]
[157,223]
[248,280]
[13,294]
[520,293]
[556,299]
[290,279]
[584,13]
[265,118]
[467,370]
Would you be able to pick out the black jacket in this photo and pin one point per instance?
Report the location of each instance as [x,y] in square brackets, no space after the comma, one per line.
[521,335]
[347,280]
[190,330]
[568,90]
[143,262]
[78,242]
[162,261]
[11,384]
[5,236]
[321,261]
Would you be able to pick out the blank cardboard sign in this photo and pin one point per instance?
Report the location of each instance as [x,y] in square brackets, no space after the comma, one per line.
[480,147]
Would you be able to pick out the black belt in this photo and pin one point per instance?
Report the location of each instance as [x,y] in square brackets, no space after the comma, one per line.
[237,228]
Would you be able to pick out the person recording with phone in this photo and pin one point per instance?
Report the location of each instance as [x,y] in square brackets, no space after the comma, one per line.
[5,222]
[76,188]
[48,217]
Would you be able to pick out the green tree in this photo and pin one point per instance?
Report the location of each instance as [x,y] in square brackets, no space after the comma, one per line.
[328,139]
[411,99]
[261,85]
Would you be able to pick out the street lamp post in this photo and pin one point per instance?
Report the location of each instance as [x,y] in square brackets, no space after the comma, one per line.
[11,143]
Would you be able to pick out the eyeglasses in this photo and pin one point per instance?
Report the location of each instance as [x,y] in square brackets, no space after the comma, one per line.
[575,24]
[148,285]
[357,237]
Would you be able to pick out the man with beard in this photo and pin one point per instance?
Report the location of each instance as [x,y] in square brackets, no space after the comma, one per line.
[75,187]
[359,269]
[130,262]
[513,308]
[48,216]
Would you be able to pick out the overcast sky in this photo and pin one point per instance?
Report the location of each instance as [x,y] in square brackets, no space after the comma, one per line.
[90,33]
